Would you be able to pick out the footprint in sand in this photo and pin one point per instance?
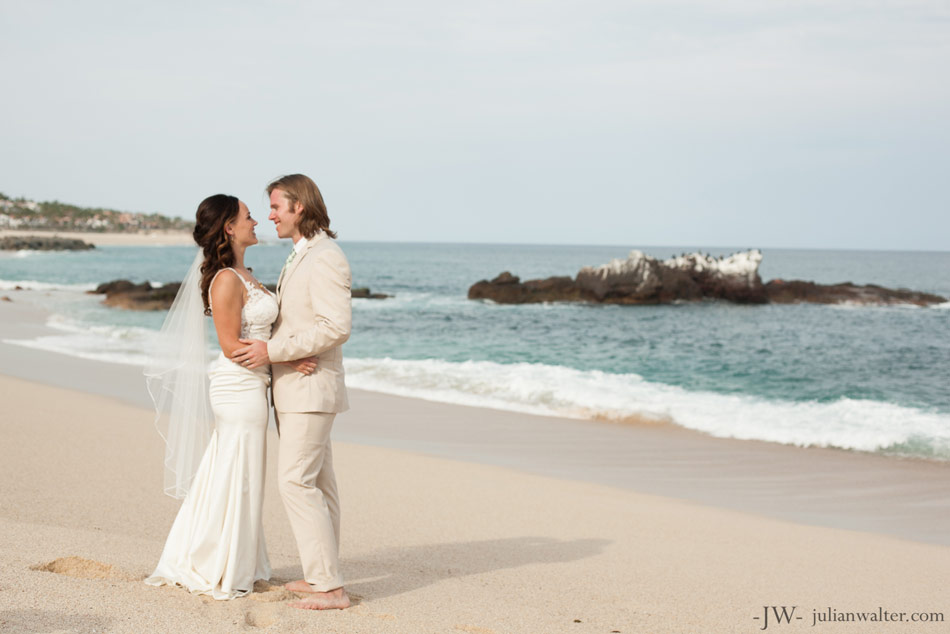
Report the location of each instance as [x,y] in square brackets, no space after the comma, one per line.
[83,569]
[267,592]
[262,615]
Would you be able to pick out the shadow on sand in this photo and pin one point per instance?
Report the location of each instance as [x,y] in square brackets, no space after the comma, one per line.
[395,571]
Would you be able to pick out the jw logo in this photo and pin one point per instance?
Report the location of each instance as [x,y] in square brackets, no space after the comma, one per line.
[777,615]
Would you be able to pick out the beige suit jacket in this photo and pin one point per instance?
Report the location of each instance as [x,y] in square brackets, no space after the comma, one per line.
[314,320]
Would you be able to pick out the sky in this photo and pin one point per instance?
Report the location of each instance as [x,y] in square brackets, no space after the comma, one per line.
[674,122]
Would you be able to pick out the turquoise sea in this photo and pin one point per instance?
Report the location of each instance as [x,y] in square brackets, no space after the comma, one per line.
[862,378]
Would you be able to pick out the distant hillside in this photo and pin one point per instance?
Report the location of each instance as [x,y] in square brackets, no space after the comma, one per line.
[20,213]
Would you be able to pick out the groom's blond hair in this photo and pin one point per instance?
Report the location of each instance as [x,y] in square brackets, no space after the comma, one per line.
[301,189]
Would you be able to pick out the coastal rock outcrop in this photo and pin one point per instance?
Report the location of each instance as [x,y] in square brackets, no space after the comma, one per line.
[641,279]
[508,289]
[363,292]
[125,294]
[797,291]
[43,243]
[131,296]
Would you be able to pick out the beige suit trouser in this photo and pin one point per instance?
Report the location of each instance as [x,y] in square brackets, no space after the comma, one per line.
[308,487]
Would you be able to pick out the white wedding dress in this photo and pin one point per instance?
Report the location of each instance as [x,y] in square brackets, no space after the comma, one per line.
[216,545]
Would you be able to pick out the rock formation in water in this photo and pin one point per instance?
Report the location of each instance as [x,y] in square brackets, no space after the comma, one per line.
[43,243]
[641,279]
[125,294]
[797,291]
[364,293]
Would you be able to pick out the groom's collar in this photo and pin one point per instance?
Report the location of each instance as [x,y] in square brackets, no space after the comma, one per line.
[301,244]
[300,247]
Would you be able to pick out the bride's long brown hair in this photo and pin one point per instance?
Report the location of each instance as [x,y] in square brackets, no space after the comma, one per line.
[213,214]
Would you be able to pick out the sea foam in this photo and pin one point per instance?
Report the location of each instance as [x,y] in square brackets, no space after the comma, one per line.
[33,285]
[559,391]
[115,344]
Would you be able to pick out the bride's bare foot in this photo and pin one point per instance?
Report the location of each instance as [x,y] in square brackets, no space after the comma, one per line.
[332,600]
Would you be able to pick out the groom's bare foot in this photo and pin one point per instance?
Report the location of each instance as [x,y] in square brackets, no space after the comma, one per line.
[300,585]
[332,600]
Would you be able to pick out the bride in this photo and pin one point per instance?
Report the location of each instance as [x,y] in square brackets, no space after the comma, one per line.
[215,431]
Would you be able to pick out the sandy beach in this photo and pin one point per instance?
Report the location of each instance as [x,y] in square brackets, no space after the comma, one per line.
[460,519]
[153,238]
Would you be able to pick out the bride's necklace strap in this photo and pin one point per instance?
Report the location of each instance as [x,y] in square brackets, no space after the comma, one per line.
[253,283]
[228,268]
[247,285]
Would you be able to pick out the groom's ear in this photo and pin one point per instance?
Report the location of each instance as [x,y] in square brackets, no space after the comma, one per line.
[298,207]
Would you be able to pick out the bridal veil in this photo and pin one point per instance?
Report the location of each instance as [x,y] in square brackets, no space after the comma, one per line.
[177,380]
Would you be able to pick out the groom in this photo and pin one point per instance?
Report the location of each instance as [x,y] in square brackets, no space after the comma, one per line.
[314,321]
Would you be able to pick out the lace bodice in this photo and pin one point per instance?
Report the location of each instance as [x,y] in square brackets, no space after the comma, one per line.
[258,314]
[259,311]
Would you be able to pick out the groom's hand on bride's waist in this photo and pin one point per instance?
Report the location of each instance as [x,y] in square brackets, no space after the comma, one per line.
[252,355]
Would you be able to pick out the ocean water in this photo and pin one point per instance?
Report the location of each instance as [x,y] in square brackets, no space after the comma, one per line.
[861,378]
